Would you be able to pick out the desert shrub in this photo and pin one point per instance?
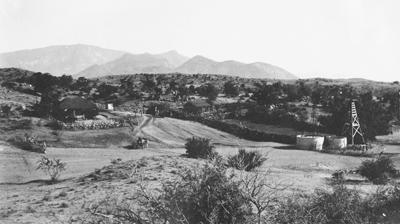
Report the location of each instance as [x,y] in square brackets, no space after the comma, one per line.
[54,124]
[53,168]
[384,204]
[378,171]
[28,143]
[6,109]
[22,124]
[263,192]
[205,196]
[200,194]
[342,205]
[199,148]
[246,160]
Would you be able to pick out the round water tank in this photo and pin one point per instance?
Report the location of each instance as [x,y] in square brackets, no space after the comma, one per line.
[338,142]
[309,142]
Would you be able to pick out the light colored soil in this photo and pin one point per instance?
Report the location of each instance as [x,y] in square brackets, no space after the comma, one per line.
[26,198]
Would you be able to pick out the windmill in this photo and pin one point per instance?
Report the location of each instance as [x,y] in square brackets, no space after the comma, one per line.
[353,128]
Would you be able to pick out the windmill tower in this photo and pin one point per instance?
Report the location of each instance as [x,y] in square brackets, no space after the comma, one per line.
[354,128]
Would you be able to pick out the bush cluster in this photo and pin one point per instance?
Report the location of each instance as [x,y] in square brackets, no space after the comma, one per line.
[205,196]
[199,148]
[378,171]
[200,194]
[28,143]
[246,160]
[342,205]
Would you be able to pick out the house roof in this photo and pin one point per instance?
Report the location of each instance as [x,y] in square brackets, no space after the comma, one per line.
[198,104]
[77,103]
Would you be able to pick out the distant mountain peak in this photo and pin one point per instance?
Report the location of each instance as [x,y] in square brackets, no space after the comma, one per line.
[90,61]
[59,59]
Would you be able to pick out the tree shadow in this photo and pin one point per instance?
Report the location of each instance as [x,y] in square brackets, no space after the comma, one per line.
[131,147]
[286,147]
[38,181]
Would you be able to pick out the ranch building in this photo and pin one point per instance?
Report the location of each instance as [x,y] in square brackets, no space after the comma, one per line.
[78,108]
[197,107]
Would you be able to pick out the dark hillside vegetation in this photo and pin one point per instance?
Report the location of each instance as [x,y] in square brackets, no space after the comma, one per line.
[316,105]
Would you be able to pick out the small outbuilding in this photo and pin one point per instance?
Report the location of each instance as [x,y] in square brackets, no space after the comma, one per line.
[78,107]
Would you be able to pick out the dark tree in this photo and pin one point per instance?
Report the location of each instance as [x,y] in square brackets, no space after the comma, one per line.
[43,82]
[65,81]
[231,89]
[209,91]
[192,90]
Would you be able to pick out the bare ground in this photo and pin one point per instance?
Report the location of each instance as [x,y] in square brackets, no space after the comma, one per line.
[25,196]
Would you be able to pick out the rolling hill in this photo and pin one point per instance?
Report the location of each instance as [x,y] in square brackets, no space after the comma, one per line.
[202,65]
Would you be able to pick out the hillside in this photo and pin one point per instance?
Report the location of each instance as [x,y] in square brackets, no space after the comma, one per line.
[202,65]
[59,60]
[135,63]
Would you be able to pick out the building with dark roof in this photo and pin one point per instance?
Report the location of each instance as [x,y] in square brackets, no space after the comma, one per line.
[78,107]
[197,107]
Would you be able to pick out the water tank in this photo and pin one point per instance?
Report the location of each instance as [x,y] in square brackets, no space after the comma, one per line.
[309,142]
[337,142]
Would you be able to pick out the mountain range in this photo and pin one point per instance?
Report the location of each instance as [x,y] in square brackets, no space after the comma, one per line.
[91,62]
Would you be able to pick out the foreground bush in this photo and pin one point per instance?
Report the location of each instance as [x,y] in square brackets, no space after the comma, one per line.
[199,148]
[340,206]
[246,160]
[378,171]
[201,194]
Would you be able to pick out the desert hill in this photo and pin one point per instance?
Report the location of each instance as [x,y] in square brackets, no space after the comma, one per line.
[59,60]
[202,65]
[136,63]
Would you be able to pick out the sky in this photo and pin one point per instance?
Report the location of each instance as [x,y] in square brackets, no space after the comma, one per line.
[309,38]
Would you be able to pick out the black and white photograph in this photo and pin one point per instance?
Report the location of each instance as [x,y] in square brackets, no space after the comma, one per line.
[200,112]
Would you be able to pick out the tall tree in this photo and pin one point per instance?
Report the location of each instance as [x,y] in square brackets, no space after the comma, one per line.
[231,89]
